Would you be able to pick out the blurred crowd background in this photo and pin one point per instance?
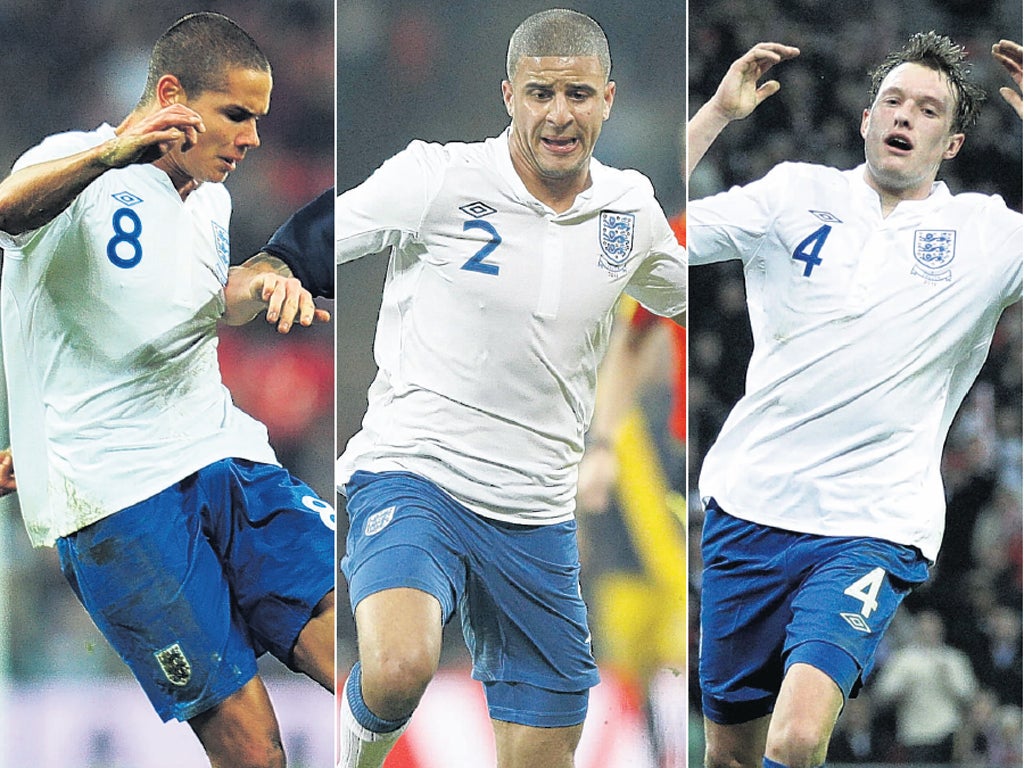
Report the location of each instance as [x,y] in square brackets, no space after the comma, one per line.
[71,65]
[948,683]
[432,70]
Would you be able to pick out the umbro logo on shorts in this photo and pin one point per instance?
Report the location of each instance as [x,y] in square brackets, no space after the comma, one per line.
[378,521]
[856,621]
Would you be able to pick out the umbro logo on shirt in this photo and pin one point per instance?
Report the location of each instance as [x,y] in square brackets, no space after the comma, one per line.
[827,217]
[126,198]
[856,621]
[477,209]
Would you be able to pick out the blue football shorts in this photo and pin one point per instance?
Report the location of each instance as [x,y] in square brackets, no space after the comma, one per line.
[516,588]
[192,584]
[771,598]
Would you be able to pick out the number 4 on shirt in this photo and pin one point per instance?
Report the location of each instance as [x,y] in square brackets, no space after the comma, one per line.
[810,247]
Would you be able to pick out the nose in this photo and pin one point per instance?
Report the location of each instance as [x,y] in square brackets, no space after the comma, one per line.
[249,136]
[559,113]
[901,115]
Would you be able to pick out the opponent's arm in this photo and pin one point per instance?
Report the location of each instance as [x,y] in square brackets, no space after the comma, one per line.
[266,282]
[32,196]
[737,96]
[1011,56]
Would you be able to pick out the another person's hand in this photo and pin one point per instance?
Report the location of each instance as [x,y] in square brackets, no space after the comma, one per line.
[1011,56]
[599,470]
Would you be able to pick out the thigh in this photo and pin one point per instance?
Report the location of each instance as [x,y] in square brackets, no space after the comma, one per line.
[155,588]
[746,591]
[846,602]
[241,730]
[523,746]
[275,538]
[525,622]
[401,536]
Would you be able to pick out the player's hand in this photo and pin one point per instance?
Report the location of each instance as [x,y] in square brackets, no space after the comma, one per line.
[598,472]
[7,482]
[1011,56]
[739,93]
[153,136]
[287,302]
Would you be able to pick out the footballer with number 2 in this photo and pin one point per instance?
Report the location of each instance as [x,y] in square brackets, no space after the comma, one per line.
[507,259]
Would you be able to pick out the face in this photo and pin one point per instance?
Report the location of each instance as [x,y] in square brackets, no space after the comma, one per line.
[230,116]
[908,131]
[557,105]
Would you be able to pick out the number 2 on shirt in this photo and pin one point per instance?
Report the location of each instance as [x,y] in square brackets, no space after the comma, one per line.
[476,262]
[810,247]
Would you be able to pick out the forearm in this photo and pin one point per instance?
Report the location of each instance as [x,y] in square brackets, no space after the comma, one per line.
[242,302]
[701,132]
[37,194]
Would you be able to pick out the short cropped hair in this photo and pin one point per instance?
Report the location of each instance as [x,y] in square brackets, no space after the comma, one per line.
[199,49]
[558,32]
[938,52]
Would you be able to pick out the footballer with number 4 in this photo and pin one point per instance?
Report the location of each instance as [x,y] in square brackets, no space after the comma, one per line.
[873,296]
[507,259]
[193,551]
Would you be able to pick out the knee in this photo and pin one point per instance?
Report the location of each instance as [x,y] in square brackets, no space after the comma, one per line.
[394,680]
[268,754]
[798,744]
[719,758]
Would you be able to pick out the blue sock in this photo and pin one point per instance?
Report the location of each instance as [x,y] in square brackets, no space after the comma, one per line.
[766,763]
[362,713]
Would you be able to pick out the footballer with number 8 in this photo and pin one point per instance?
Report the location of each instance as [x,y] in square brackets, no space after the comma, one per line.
[507,259]
[191,548]
[873,296]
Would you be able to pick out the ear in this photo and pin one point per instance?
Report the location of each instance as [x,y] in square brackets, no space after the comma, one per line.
[864,123]
[609,98]
[506,95]
[953,148]
[169,91]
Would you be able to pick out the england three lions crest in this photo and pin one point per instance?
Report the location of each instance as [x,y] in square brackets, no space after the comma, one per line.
[934,250]
[616,240]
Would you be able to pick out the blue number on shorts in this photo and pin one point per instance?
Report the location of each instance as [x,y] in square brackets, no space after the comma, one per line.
[476,262]
[122,235]
[810,247]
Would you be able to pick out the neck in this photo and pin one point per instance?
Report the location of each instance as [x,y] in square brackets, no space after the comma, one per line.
[890,196]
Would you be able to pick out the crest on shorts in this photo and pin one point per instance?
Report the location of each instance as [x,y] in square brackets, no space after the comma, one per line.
[175,664]
[616,239]
[376,522]
[934,250]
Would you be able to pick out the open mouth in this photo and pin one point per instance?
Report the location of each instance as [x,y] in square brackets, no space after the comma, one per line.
[560,145]
[901,143]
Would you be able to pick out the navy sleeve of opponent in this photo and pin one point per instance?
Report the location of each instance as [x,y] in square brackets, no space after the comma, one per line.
[305,242]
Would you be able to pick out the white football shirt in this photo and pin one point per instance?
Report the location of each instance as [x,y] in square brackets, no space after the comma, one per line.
[496,312]
[868,333]
[109,316]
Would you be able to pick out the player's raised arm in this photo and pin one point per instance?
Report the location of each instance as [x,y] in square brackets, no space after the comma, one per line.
[737,96]
[8,483]
[36,194]
[266,282]
[1011,56]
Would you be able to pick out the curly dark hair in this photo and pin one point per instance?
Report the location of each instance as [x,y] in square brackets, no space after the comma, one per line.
[938,52]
